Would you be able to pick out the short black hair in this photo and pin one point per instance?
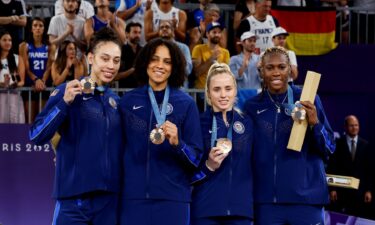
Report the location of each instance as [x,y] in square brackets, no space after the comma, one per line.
[104,34]
[132,24]
[178,73]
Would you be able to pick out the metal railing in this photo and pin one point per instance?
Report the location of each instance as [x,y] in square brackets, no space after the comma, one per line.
[29,98]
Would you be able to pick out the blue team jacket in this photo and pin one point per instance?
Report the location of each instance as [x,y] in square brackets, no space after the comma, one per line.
[229,190]
[159,171]
[282,175]
[89,152]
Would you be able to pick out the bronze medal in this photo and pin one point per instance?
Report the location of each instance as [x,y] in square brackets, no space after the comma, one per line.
[299,113]
[225,144]
[157,136]
[88,85]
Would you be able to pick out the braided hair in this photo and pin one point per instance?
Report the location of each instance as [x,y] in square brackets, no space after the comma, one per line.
[276,50]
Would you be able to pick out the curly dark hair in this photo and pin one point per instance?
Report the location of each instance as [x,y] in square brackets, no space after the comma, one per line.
[10,57]
[178,73]
[104,34]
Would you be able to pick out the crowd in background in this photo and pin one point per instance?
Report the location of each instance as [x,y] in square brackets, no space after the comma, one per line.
[54,51]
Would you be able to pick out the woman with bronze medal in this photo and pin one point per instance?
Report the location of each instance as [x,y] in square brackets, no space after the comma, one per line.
[289,186]
[222,191]
[86,115]
[163,143]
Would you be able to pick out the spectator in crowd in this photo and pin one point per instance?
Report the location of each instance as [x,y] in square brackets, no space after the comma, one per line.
[243,9]
[342,18]
[126,76]
[165,11]
[197,15]
[244,65]
[88,156]
[36,53]
[67,26]
[224,168]
[67,65]
[84,9]
[134,11]
[352,158]
[163,146]
[289,186]
[197,35]
[260,23]
[12,75]
[104,18]
[166,31]
[13,19]
[362,22]
[204,55]
[279,36]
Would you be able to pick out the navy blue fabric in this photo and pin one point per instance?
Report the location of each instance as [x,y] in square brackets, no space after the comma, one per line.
[284,214]
[89,152]
[228,190]
[282,175]
[97,209]
[222,220]
[154,212]
[159,171]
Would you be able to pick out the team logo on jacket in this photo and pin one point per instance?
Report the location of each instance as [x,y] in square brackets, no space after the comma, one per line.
[112,102]
[169,109]
[238,127]
[54,92]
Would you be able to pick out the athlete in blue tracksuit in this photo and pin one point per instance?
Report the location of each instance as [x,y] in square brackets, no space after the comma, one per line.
[87,177]
[289,186]
[156,188]
[225,195]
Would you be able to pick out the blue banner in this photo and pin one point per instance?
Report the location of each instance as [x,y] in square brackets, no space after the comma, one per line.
[26,178]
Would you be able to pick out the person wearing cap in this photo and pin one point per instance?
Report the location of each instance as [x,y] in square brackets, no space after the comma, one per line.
[204,55]
[279,36]
[244,65]
[197,31]
[261,23]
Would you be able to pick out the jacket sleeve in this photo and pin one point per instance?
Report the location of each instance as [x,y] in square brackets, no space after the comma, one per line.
[190,138]
[50,119]
[322,132]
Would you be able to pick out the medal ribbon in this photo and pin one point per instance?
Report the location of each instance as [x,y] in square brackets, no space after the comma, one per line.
[290,105]
[159,115]
[214,131]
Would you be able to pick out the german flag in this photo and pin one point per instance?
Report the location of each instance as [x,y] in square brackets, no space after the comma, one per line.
[311,31]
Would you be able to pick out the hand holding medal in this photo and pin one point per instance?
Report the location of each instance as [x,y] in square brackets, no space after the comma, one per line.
[171,132]
[215,158]
[312,117]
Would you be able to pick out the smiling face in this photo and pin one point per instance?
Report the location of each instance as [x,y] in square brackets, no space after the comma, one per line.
[159,68]
[222,92]
[105,62]
[275,71]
